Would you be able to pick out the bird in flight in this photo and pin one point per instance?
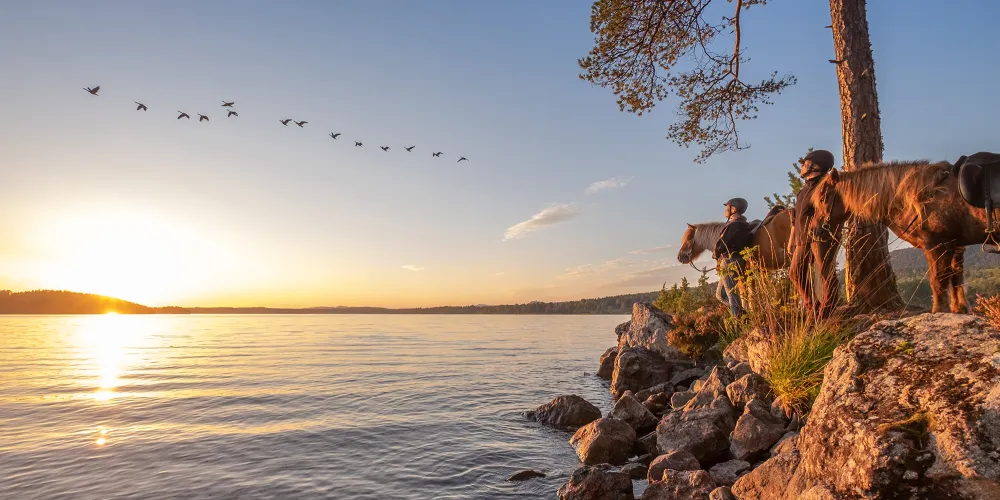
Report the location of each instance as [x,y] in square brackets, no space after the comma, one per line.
[142,107]
[461,159]
[301,123]
[232,113]
[202,118]
[335,135]
[409,149]
[182,115]
[285,122]
[436,154]
[93,90]
[357,144]
[227,104]
[385,148]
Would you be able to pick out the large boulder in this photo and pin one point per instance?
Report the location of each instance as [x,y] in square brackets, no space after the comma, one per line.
[694,432]
[771,480]
[675,460]
[607,363]
[753,348]
[749,387]
[649,328]
[633,413]
[711,389]
[909,407]
[622,328]
[728,472]
[606,440]
[755,432]
[679,399]
[637,368]
[646,445]
[722,493]
[680,485]
[597,483]
[570,411]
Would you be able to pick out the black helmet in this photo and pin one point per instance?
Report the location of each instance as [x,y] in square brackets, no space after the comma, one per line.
[739,204]
[821,158]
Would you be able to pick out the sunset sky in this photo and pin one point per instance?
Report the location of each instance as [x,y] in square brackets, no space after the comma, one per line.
[564,196]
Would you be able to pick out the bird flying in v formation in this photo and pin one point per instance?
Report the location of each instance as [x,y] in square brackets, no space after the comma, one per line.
[141,107]
[182,115]
[94,90]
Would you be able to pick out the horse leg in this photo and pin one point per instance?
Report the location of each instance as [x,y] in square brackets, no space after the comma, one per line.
[938,276]
[959,304]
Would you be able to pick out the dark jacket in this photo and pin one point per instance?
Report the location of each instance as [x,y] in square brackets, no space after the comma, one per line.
[802,212]
[735,236]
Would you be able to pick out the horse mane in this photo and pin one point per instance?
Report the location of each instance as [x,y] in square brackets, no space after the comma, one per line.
[879,189]
[707,234]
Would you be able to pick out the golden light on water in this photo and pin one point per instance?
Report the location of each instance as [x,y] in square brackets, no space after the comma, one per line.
[107,339]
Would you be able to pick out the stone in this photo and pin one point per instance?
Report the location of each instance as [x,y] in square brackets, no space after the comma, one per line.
[665,387]
[788,443]
[624,327]
[649,329]
[722,493]
[635,470]
[755,432]
[646,445]
[680,485]
[607,364]
[636,369]
[597,483]
[909,405]
[772,480]
[632,412]
[711,388]
[679,399]
[758,348]
[570,411]
[686,377]
[748,387]
[701,437]
[736,351]
[606,440]
[675,460]
[644,459]
[525,475]
[726,473]
[741,370]
[719,411]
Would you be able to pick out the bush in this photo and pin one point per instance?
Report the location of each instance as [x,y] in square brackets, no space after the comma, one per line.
[990,308]
[695,334]
[797,360]
[683,299]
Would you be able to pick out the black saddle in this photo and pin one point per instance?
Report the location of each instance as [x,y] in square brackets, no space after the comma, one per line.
[756,224]
[979,179]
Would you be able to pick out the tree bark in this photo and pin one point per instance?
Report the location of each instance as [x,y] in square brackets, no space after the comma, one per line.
[870,281]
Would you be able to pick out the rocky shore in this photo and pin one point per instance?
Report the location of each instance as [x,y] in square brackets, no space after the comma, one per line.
[908,409]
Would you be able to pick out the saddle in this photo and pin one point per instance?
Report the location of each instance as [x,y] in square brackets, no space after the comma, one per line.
[979,184]
[756,224]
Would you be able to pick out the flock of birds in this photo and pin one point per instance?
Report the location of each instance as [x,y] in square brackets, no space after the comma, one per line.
[232,112]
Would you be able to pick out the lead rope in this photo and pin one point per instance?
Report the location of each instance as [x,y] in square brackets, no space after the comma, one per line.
[991,230]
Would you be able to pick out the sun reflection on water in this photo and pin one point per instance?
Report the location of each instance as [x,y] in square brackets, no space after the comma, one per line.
[107,339]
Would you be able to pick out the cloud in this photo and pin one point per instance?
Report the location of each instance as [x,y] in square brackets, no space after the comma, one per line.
[606,184]
[501,273]
[651,251]
[608,265]
[411,267]
[549,216]
[652,277]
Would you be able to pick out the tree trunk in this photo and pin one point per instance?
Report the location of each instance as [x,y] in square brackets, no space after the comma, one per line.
[870,282]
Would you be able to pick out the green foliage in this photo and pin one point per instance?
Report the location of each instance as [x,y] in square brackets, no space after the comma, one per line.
[696,333]
[684,299]
[797,360]
[795,183]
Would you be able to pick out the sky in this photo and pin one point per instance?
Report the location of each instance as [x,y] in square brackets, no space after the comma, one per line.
[563,196]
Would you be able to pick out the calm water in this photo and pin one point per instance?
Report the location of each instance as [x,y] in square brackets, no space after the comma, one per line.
[100,407]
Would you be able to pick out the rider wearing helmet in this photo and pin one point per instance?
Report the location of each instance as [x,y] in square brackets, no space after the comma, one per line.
[735,236]
[807,258]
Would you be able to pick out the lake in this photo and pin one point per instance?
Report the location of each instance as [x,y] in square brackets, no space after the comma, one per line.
[317,406]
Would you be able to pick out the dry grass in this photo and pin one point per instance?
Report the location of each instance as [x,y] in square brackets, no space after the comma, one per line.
[990,308]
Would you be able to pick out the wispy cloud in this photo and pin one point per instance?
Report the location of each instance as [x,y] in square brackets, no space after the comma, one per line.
[606,184]
[497,275]
[411,267]
[654,276]
[608,265]
[651,251]
[549,216]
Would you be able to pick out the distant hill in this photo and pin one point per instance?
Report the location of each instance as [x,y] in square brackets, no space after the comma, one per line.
[912,259]
[63,302]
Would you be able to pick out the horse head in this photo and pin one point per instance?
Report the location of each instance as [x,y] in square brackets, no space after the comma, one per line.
[689,249]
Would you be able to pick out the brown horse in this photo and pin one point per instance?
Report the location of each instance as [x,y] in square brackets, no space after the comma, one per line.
[771,240]
[918,201]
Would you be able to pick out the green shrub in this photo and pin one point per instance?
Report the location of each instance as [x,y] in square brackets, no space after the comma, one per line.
[695,334]
[797,360]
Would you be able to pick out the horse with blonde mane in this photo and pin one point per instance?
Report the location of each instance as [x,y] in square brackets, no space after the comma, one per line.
[771,240]
[920,202]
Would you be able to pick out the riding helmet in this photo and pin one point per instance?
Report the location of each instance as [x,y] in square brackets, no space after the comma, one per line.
[739,204]
[821,158]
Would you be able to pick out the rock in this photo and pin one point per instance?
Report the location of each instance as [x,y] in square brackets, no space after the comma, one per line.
[566,412]
[633,413]
[770,481]
[699,436]
[727,473]
[818,493]
[758,349]
[664,388]
[622,328]
[719,411]
[680,485]
[636,369]
[647,445]
[675,460]
[635,470]
[722,493]
[736,351]
[909,404]
[749,387]
[607,364]
[606,440]
[788,443]
[649,329]
[525,475]
[660,398]
[597,483]
[756,431]
[686,377]
[679,399]
[644,459]
[741,370]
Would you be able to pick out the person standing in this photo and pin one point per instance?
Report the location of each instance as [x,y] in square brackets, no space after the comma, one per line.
[808,256]
[735,237]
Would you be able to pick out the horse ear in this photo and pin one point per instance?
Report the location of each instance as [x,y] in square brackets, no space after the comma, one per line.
[691,225]
[834,176]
